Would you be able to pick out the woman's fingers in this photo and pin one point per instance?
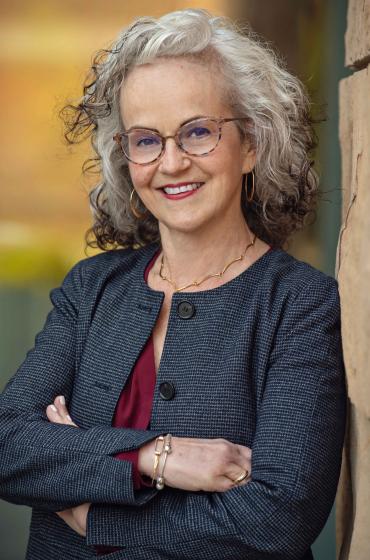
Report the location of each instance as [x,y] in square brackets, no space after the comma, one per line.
[227,484]
[80,516]
[245,452]
[237,470]
[60,404]
[68,517]
[52,414]
[58,412]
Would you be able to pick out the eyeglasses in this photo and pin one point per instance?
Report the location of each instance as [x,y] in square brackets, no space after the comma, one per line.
[198,137]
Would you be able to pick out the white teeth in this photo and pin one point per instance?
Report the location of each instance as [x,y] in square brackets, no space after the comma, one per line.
[183,188]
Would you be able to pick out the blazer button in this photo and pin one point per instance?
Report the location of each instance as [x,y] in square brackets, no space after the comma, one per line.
[166,391]
[185,310]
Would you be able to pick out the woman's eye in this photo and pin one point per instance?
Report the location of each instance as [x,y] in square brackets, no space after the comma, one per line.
[146,141]
[198,132]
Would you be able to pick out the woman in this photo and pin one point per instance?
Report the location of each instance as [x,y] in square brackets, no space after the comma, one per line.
[186,397]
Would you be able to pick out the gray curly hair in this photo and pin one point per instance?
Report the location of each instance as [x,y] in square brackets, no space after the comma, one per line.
[257,86]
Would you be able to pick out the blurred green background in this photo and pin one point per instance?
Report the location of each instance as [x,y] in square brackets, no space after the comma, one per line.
[46,49]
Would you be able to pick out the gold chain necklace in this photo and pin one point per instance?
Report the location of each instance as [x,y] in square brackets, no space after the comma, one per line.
[198,282]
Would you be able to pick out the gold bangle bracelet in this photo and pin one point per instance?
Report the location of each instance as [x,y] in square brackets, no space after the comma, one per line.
[157,454]
[167,449]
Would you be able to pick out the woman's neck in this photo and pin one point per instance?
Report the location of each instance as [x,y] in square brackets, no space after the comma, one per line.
[189,257]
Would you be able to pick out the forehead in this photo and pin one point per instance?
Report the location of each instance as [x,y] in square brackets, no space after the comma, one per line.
[167,92]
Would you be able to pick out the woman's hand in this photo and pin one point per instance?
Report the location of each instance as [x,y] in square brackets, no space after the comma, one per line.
[58,412]
[194,464]
[74,517]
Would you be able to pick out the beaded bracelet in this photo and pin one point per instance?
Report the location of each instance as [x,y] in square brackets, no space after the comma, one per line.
[166,449]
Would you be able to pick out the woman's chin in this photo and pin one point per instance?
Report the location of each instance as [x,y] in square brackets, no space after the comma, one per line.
[187,225]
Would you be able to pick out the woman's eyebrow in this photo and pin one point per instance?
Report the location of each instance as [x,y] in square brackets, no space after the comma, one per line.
[156,130]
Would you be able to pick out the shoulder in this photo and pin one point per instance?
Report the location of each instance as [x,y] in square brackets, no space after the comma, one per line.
[110,262]
[88,276]
[107,259]
[292,275]
[302,294]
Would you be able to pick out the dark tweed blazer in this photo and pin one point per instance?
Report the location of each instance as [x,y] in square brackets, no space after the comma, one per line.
[258,363]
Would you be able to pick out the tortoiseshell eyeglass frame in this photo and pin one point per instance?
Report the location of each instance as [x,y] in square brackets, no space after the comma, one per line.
[220,122]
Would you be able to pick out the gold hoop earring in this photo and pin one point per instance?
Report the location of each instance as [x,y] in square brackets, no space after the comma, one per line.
[134,210]
[250,198]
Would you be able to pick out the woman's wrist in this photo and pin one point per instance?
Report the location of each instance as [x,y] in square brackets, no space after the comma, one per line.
[159,453]
[147,458]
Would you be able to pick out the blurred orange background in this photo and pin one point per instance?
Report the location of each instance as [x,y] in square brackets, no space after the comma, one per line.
[46,49]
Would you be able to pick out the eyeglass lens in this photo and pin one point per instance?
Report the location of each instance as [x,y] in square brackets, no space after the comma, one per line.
[196,138]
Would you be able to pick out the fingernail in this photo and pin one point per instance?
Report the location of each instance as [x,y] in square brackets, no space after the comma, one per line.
[62,400]
[69,418]
[53,408]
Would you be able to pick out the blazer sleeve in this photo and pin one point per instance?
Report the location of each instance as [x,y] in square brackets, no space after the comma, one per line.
[51,466]
[296,458]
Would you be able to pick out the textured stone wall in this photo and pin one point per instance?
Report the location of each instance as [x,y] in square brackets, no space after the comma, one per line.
[353,273]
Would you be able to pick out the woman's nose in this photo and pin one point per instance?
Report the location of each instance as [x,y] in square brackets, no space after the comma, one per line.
[173,158]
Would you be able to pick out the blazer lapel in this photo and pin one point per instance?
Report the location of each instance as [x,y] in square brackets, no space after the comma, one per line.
[120,329]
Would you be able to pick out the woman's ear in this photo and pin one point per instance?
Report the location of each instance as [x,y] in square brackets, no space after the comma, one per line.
[249,157]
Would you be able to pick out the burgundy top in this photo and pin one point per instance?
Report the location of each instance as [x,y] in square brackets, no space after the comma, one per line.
[134,407]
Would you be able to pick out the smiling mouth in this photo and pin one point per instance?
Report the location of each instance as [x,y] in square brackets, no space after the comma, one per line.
[182,188]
